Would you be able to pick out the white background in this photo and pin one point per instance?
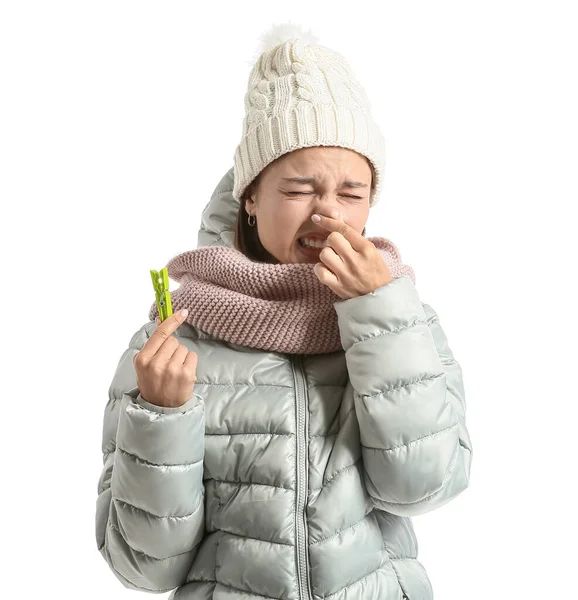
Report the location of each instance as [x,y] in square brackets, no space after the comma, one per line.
[117,121]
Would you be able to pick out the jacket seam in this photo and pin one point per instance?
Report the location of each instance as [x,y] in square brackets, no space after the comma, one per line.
[401,587]
[340,531]
[148,512]
[151,464]
[225,585]
[332,478]
[241,383]
[217,563]
[343,421]
[323,435]
[294,528]
[140,587]
[248,537]
[253,483]
[440,489]
[402,385]
[144,553]
[415,441]
[199,404]
[252,433]
[388,332]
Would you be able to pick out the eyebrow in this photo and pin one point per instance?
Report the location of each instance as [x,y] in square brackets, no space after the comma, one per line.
[312,180]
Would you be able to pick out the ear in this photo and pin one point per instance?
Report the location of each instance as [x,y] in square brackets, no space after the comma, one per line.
[250,204]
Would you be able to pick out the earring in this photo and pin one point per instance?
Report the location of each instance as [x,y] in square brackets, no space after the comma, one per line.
[249,220]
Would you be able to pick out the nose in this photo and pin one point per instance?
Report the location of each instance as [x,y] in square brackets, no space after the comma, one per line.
[327,207]
[329,211]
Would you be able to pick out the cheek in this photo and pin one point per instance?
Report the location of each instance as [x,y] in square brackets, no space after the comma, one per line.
[283,226]
[278,231]
[357,219]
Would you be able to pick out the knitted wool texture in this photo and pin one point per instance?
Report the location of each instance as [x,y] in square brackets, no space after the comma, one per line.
[273,307]
[302,94]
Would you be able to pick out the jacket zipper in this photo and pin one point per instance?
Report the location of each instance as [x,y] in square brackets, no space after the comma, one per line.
[302,480]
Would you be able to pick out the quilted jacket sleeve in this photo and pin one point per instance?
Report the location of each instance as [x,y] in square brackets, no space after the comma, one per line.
[409,399]
[150,506]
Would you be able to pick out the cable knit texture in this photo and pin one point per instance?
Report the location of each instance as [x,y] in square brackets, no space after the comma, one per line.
[274,307]
[302,94]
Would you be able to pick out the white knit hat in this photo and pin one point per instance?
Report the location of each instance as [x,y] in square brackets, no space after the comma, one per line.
[301,94]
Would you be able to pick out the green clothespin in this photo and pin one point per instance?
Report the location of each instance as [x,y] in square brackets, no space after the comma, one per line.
[163,296]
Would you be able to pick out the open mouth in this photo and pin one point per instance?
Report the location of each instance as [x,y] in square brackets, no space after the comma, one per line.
[309,250]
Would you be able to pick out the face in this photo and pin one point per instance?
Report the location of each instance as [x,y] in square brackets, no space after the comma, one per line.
[283,208]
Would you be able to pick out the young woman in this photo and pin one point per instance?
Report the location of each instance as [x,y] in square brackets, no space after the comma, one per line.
[274,442]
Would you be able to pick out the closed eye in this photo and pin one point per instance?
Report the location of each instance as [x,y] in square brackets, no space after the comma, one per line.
[305,193]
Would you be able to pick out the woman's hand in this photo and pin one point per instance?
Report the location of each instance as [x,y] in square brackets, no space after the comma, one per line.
[165,370]
[351,265]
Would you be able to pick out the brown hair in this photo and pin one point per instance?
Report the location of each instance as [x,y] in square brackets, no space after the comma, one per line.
[246,237]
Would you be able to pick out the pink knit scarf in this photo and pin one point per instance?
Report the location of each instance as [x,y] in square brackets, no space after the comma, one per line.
[273,307]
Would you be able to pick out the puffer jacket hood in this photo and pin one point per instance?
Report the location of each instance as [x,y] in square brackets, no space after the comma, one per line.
[286,476]
[219,215]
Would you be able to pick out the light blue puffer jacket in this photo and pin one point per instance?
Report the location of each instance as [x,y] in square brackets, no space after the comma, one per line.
[287,476]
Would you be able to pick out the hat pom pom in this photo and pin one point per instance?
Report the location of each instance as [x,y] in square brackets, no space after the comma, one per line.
[281,33]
